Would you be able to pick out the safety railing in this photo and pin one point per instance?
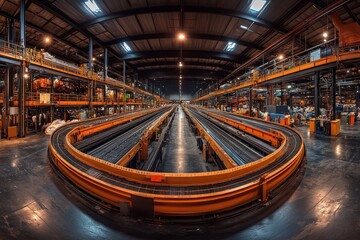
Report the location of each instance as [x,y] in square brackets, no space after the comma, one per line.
[277,66]
[39,57]
[11,49]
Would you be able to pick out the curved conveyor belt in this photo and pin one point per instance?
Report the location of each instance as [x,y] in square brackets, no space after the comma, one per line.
[182,194]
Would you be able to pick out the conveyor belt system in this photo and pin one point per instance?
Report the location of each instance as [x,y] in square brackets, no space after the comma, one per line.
[118,146]
[166,194]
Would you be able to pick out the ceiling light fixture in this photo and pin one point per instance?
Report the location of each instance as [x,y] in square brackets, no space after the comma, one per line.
[180,64]
[92,6]
[125,46]
[257,5]
[244,27]
[181,36]
[230,46]
[325,35]
[281,57]
[47,40]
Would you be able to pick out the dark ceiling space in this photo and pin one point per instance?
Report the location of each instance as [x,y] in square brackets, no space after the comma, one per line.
[150,29]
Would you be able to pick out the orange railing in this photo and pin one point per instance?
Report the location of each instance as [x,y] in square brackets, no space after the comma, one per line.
[275,69]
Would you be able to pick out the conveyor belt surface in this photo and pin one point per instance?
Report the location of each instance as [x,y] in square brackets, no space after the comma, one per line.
[292,147]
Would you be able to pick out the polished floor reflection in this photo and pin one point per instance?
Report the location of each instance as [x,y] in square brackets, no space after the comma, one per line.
[182,154]
[35,204]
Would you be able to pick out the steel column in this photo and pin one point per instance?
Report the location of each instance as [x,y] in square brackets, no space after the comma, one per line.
[51,99]
[250,102]
[357,101]
[105,63]
[10,30]
[333,95]
[316,94]
[124,78]
[91,82]
[237,100]
[21,73]
[290,103]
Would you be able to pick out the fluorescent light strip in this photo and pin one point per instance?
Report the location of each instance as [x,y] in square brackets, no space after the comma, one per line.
[125,47]
[257,5]
[230,46]
[93,7]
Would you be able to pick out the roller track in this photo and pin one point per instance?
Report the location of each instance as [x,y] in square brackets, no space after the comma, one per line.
[117,147]
[165,192]
[239,152]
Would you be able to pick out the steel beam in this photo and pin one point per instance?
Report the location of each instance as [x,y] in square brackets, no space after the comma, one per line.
[186,54]
[177,8]
[333,93]
[189,35]
[225,67]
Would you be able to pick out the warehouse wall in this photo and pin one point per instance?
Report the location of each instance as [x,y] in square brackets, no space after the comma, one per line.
[176,97]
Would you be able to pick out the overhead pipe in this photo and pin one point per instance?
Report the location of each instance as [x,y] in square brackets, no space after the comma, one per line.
[283,39]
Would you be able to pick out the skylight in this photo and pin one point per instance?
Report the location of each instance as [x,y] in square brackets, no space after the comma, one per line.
[125,47]
[230,46]
[257,5]
[92,6]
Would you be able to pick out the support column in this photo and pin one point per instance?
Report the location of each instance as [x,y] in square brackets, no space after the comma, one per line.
[250,102]
[316,95]
[52,100]
[91,82]
[357,102]
[333,95]
[281,95]
[290,100]
[10,31]
[124,78]
[271,95]
[227,101]
[237,100]
[21,74]
[105,63]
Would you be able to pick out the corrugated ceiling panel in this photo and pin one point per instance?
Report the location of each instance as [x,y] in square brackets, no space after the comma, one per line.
[105,36]
[114,28]
[96,29]
[52,28]
[142,45]
[163,2]
[155,45]
[147,23]
[228,4]
[33,18]
[166,22]
[130,25]
[9,7]
[75,10]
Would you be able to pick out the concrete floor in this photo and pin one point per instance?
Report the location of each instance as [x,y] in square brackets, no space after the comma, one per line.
[182,144]
[35,204]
